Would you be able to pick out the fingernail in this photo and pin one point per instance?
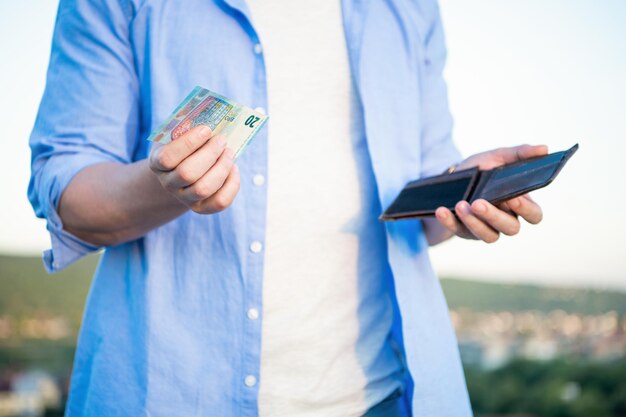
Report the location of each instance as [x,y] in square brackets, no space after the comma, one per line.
[480,207]
[221,141]
[514,203]
[443,214]
[205,130]
[229,153]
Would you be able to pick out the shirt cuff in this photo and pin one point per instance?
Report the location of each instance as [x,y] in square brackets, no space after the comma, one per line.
[59,170]
[66,247]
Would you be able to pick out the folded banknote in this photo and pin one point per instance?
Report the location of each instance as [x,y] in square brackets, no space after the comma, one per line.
[237,123]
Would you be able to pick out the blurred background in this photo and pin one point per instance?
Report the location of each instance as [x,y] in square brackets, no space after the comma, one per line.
[541,318]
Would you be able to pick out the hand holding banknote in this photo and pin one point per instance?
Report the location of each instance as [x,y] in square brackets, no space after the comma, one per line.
[198,169]
[195,147]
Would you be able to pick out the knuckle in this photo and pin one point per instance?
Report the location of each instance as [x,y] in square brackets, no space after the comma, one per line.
[214,152]
[221,202]
[164,160]
[185,174]
[223,170]
[189,140]
[515,203]
[216,142]
[201,190]
[490,215]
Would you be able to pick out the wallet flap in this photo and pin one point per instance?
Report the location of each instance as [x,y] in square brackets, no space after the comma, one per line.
[509,181]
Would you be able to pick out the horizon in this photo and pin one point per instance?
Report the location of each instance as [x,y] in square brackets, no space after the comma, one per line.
[546,285]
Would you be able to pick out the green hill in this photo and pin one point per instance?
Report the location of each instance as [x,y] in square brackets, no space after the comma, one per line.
[489,296]
[26,289]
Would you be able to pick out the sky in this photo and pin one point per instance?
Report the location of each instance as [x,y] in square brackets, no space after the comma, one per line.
[518,72]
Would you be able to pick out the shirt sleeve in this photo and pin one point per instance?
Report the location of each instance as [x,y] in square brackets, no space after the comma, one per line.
[438,149]
[88,113]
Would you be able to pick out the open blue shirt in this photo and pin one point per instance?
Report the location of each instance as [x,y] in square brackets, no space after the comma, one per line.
[165,330]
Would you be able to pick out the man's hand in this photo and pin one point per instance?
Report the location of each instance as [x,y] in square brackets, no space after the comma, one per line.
[482,220]
[198,170]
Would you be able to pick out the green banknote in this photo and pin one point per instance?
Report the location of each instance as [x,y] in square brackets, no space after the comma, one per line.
[237,123]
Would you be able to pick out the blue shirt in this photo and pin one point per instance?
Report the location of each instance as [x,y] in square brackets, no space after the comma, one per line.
[165,330]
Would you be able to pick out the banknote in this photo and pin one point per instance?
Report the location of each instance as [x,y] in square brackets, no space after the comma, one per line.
[237,123]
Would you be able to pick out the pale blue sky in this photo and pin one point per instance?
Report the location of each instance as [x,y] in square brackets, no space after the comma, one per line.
[519,71]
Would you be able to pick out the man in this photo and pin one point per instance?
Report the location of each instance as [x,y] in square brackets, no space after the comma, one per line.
[266,287]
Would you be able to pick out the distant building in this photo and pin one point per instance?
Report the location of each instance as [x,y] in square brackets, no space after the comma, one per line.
[31,393]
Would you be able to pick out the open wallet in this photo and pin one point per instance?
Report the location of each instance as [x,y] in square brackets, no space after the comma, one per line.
[422,197]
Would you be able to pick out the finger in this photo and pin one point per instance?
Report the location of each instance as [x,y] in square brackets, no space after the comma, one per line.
[475,225]
[167,157]
[210,182]
[526,208]
[450,222]
[497,219]
[224,197]
[505,207]
[517,153]
[195,165]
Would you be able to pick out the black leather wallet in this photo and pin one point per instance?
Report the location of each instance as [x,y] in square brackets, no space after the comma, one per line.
[422,197]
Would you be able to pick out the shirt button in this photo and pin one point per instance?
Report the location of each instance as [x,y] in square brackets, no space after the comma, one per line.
[256,246]
[250,380]
[253,314]
[258,180]
[260,110]
[258,49]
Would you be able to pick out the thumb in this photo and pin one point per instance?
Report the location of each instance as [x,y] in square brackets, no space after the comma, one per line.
[517,153]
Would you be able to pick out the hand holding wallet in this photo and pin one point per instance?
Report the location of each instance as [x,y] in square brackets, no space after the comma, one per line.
[422,197]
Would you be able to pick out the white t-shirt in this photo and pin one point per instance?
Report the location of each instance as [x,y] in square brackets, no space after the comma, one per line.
[326,311]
